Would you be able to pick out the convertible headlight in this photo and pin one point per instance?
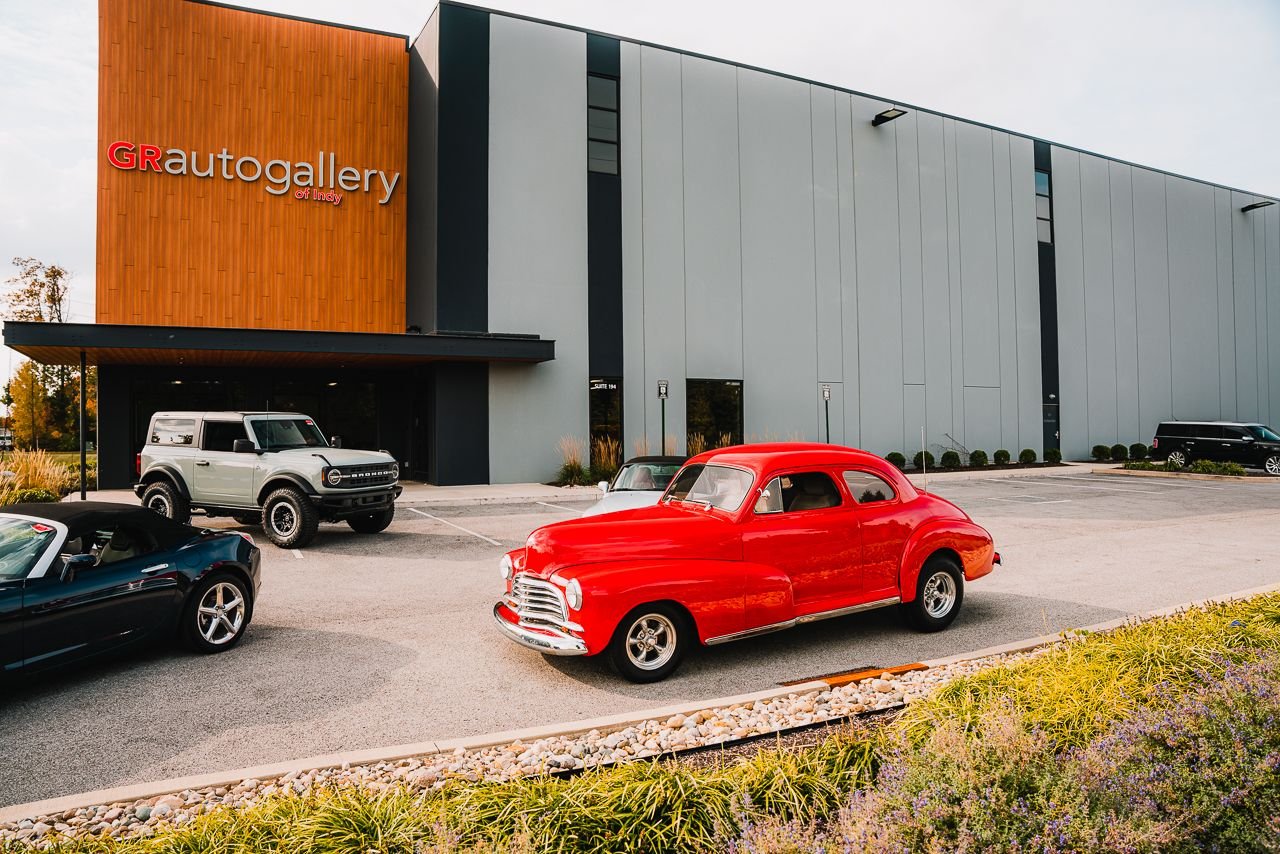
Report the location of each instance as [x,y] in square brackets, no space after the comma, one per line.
[333,477]
[507,568]
[573,594]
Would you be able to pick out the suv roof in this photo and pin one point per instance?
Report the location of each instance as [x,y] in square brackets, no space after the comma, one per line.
[1220,423]
[216,414]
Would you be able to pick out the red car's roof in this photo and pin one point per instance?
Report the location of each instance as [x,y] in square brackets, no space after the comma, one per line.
[770,455]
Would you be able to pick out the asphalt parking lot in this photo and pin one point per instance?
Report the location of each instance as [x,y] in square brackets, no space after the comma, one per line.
[361,642]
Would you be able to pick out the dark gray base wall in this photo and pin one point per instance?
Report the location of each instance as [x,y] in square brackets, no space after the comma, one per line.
[433,419]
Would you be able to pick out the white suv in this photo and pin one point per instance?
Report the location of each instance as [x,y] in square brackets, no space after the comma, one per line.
[270,467]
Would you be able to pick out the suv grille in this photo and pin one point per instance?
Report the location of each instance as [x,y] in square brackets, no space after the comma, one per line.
[376,474]
[537,602]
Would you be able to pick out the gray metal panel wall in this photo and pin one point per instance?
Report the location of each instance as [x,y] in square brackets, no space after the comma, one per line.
[636,395]
[537,240]
[424,89]
[1026,295]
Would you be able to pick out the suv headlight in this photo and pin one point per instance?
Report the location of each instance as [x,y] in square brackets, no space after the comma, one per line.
[395,470]
[333,477]
[573,595]
[507,568]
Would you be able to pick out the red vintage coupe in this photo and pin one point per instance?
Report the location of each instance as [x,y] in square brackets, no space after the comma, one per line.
[746,540]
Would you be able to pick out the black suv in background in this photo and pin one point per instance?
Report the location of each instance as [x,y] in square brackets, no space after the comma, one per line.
[1254,445]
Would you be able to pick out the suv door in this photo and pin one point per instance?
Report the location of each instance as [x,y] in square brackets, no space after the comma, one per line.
[221,475]
[1236,446]
[1206,443]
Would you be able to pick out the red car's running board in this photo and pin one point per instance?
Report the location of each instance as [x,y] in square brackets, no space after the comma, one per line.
[807,618]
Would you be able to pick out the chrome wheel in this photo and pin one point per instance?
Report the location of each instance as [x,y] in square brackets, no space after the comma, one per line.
[1272,465]
[939,594]
[220,615]
[284,520]
[159,503]
[1177,458]
[651,641]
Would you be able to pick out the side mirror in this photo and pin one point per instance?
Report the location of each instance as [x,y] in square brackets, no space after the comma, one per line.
[1248,439]
[244,446]
[604,486]
[77,563]
[335,441]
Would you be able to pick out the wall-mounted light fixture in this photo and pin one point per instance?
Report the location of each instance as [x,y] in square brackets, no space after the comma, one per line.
[887,116]
[1266,203]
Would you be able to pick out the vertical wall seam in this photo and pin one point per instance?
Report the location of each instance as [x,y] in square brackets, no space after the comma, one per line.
[995,229]
[835,141]
[857,308]
[1168,286]
[742,291]
[1084,301]
[1115,331]
[1013,244]
[924,338]
[902,355]
[1137,350]
[644,285]
[684,270]
[813,219]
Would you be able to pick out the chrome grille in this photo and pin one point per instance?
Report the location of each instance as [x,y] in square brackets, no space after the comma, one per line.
[358,477]
[538,602]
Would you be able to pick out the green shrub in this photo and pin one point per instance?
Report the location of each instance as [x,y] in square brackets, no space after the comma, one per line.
[29,496]
[978,458]
[950,460]
[896,459]
[1027,456]
[1002,457]
[1119,453]
[922,458]
[1101,453]
[1138,451]
[1210,467]
[1053,455]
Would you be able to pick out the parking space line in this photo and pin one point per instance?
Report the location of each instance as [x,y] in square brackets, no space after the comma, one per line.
[452,525]
[296,553]
[1162,482]
[1105,488]
[558,507]
[1038,500]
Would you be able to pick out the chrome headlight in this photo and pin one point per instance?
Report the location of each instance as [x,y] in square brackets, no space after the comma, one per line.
[507,568]
[395,470]
[573,595]
[333,477]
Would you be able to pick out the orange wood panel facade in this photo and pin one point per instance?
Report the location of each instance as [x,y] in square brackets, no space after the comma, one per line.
[183,250]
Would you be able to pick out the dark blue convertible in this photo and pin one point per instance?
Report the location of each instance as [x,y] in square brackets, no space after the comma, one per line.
[77,579]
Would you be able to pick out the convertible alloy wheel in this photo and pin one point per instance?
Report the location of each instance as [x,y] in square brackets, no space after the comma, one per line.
[220,615]
[1177,459]
[649,643]
[1272,465]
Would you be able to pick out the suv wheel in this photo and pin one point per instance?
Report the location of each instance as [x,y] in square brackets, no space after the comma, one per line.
[289,519]
[372,523]
[163,498]
[1177,458]
[1272,464]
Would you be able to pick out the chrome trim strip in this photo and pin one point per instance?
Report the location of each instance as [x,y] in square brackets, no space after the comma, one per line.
[807,618]
[552,643]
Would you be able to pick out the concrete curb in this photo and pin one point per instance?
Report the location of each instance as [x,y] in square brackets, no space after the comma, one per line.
[141,791]
[1184,476]
[994,472]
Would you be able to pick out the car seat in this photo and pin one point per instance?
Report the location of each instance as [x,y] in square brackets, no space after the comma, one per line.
[814,493]
[643,480]
[120,547]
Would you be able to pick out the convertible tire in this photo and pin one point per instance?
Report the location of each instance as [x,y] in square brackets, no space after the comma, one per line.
[164,498]
[289,519]
[372,523]
[217,613]
[939,594]
[650,643]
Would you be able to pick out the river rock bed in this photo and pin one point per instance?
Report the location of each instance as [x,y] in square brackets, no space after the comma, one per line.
[566,753]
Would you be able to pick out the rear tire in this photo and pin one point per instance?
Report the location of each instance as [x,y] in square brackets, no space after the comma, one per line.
[213,620]
[650,643]
[939,594]
[372,523]
[1271,465]
[289,519]
[164,498]
[1177,458]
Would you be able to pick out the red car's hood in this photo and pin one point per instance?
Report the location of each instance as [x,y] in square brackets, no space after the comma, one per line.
[648,533]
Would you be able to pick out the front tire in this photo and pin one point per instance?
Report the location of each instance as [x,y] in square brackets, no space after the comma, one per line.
[164,498]
[939,594]
[217,614]
[1271,465]
[289,519]
[372,523]
[650,643]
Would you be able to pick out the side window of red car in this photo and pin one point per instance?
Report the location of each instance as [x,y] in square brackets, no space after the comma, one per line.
[868,488]
[789,493]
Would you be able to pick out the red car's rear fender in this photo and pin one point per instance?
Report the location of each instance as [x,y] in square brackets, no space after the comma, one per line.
[968,542]
[710,591]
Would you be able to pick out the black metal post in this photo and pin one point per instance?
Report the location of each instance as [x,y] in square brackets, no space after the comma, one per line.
[83,437]
[827,405]
[664,426]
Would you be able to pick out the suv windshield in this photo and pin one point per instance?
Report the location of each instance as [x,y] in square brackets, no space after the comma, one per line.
[715,486]
[644,476]
[22,542]
[1265,434]
[281,434]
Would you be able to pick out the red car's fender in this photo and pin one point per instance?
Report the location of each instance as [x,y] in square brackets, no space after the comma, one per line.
[711,591]
[969,542]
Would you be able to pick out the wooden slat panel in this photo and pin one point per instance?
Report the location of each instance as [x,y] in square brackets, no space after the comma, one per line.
[189,251]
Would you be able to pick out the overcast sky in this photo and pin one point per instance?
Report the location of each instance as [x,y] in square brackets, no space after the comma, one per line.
[1189,86]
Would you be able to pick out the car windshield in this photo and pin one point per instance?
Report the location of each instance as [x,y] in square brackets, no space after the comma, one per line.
[22,542]
[281,434]
[715,486]
[644,477]
[1266,434]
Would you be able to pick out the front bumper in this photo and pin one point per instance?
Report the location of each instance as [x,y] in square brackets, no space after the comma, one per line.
[547,641]
[337,505]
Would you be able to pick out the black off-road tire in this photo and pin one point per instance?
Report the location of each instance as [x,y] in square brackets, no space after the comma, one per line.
[372,523]
[190,629]
[674,630]
[164,498]
[939,595]
[287,504]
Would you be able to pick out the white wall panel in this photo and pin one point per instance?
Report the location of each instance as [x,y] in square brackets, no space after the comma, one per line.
[936,284]
[1125,307]
[1026,294]
[1193,299]
[1271,315]
[850,389]
[537,240]
[1099,300]
[954,283]
[1006,300]
[826,237]
[778,291]
[910,274]
[1073,368]
[978,283]
[1227,395]
[1245,360]
[1151,263]
[636,398]
[713,231]
[982,423]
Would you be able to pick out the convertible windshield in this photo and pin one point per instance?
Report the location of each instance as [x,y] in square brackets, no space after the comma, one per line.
[22,542]
[1265,434]
[281,434]
[644,477]
[717,486]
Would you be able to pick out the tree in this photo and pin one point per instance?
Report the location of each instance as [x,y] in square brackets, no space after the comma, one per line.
[29,406]
[38,292]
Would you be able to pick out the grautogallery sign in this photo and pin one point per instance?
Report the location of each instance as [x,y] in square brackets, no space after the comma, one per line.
[321,181]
